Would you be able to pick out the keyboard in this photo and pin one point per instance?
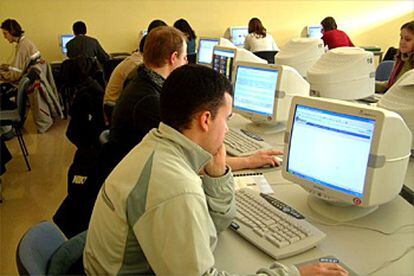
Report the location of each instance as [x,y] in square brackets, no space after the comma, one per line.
[269,229]
[240,142]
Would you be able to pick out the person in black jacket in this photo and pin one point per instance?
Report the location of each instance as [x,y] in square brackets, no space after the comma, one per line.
[86,105]
[83,45]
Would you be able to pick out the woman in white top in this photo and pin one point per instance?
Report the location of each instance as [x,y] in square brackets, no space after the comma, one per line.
[258,39]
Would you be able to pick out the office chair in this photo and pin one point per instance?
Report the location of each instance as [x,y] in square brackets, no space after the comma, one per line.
[384,70]
[267,55]
[16,117]
[44,250]
[390,54]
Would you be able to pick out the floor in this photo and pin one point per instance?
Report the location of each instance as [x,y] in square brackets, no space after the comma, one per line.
[30,197]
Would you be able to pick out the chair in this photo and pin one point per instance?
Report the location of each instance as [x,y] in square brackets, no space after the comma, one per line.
[36,247]
[384,70]
[267,55]
[15,117]
[44,250]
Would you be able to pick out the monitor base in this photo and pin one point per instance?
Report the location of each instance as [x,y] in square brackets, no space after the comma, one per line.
[265,129]
[336,212]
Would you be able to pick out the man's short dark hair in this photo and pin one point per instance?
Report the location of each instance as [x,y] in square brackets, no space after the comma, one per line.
[79,28]
[191,89]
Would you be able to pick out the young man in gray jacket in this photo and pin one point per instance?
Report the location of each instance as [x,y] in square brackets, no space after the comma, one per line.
[162,207]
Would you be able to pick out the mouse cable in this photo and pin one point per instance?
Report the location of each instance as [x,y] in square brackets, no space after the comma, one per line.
[387,263]
[359,226]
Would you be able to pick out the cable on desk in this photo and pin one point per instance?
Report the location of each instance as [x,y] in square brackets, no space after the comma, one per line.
[359,226]
[387,263]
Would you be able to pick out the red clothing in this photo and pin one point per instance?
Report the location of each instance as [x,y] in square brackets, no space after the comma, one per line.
[336,38]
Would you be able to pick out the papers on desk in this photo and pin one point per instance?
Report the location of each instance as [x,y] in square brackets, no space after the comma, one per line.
[253,180]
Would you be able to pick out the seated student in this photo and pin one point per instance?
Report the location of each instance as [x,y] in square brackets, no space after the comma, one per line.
[117,80]
[83,45]
[137,110]
[25,52]
[332,37]
[156,214]
[404,59]
[154,24]
[185,27]
[257,39]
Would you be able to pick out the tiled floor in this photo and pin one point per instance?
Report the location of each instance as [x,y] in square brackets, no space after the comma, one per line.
[30,197]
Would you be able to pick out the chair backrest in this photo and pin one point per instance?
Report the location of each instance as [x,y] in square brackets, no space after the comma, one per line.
[36,247]
[390,54]
[384,70]
[267,55]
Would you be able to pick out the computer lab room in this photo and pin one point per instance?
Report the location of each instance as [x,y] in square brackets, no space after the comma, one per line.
[225,137]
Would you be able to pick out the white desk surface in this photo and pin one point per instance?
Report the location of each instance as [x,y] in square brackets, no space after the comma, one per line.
[362,250]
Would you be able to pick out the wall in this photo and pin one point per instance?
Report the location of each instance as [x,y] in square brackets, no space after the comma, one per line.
[116,23]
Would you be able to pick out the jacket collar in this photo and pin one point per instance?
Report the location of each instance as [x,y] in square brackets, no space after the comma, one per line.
[157,79]
[196,155]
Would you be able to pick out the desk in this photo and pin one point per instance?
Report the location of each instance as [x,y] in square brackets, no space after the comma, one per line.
[362,250]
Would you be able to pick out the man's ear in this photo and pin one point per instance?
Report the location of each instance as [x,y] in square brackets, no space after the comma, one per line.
[173,57]
[204,120]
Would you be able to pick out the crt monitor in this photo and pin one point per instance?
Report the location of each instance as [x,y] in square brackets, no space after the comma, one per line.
[262,94]
[314,31]
[345,155]
[300,53]
[205,50]
[224,60]
[346,73]
[238,35]
[63,40]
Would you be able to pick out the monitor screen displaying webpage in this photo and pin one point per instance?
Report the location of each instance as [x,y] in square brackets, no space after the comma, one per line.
[238,35]
[331,149]
[254,89]
[64,39]
[205,50]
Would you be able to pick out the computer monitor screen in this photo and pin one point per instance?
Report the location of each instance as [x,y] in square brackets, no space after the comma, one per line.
[262,93]
[255,89]
[340,153]
[205,50]
[341,144]
[315,31]
[223,60]
[63,40]
[238,35]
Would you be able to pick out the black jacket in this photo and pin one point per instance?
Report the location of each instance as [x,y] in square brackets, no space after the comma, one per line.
[137,111]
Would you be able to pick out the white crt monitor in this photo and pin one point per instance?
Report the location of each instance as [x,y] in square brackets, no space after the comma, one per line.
[63,40]
[262,93]
[314,31]
[238,35]
[300,53]
[205,50]
[345,155]
[224,59]
[346,73]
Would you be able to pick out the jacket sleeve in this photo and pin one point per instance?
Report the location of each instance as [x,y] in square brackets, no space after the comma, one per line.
[220,199]
[101,55]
